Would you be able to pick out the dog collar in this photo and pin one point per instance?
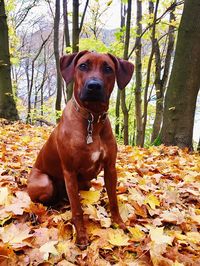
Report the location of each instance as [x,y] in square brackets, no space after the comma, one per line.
[91,118]
[87,114]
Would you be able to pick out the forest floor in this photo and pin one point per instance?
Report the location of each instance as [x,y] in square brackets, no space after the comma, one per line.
[158,193]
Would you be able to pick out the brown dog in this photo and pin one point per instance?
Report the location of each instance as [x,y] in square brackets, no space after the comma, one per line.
[83,143]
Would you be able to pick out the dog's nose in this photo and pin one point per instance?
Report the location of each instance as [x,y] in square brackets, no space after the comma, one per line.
[95,85]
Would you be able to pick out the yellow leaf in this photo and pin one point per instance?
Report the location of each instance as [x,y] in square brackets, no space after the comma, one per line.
[137,234]
[152,201]
[66,216]
[157,235]
[194,237]
[136,195]
[49,248]
[176,263]
[196,218]
[91,211]
[102,214]
[118,237]
[15,234]
[89,197]
[124,211]
[4,194]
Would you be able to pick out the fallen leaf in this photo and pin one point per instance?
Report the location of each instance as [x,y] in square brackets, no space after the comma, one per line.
[157,235]
[49,248]
[118,238]
[137,234]
[15,235]
[89,197]
[152,201]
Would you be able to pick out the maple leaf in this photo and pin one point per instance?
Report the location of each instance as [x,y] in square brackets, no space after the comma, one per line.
[102,215]
[49,248]
[152,201]
[117,237]
[173,216]
[89,197]
[196,218]
[4,196]
[125,211]
[137,234]
[157,235]
[15,235]
[19,203]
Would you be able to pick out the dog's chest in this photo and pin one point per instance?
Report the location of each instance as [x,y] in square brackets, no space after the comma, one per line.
[93,162]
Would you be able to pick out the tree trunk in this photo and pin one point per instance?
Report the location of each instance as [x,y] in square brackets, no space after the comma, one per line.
[75,26]
[7,104]
[75,39]
[123,92]
[153,40]
[117,106]
[117,113]
[66,24]
[184,82]
[160,82]
[138,75]
[57,57]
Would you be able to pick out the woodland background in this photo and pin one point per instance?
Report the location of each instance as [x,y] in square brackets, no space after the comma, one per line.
[159,104]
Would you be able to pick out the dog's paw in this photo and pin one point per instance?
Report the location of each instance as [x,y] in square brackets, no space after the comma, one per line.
[119,222]
[122,225]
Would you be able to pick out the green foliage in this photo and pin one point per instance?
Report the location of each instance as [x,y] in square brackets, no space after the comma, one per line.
[93,45]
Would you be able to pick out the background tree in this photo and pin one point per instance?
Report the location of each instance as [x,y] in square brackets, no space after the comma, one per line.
[123,92]
[123,12]
[184,82]
[162,73]
[57,56]
[76,30]
[66,24]
[138,75]
[7,104]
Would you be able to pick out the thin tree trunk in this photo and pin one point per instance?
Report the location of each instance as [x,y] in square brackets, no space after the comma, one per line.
[138,75]
[160,82]
[30,82]
[57,57]
[83,16]
[7,104]
[123,92]
[66,24]
[75,29]
[184,84]
[117,113]
[75,39]
[117,106]
[149,70]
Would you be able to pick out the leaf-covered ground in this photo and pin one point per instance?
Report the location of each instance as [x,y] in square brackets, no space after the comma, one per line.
[158,193]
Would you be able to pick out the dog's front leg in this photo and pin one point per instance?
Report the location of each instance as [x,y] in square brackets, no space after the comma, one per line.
[77,212]
[110,177]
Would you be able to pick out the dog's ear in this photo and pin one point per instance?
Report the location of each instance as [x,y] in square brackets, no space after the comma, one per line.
[67,65]
[124,71]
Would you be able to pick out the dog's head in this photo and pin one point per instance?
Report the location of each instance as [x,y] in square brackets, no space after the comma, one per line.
[94,76]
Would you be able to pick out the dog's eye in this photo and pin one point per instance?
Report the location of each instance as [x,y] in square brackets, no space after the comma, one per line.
[83,67]
[108,69]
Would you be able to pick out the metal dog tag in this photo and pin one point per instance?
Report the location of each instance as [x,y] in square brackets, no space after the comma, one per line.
[89,139]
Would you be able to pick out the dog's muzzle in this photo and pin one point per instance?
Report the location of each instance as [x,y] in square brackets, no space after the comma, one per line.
[93,90]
